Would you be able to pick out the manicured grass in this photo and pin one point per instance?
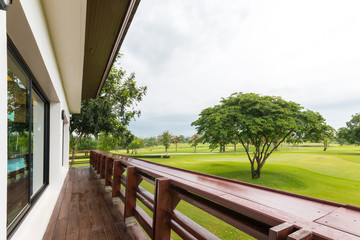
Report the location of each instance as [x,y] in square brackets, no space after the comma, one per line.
[332,175]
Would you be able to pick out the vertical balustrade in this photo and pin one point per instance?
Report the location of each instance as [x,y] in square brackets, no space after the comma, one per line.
[132,181]
[98,163]
[116,184]
[165,203]
[108,170]
[102,166]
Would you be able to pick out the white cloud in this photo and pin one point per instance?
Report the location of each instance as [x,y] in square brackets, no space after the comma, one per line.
[192,53]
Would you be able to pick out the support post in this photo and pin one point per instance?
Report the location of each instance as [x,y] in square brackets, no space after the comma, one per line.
[280,232]
[132,181]
[116,184]
[108,170]
[165,203]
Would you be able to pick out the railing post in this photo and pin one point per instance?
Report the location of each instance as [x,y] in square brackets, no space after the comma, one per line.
[108,170]
[132,182]
[98,163]
[102,166]
[281,232]
[92,153]
[116,186]
[165,203]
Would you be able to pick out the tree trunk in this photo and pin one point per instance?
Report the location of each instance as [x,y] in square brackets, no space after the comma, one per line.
[234,147]
[176,147]
[195,148]
[255,173]
[75,145]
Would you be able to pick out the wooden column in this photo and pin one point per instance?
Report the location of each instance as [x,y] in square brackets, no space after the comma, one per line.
[132,181]
[108,170]
[102,166]
[165,203]
[98,161]
[116,184]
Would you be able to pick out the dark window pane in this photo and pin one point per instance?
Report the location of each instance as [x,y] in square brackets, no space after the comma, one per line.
[18,139]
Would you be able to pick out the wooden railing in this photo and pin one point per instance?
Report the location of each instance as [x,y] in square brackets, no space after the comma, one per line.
[261,212]
[20,173]
[81,157]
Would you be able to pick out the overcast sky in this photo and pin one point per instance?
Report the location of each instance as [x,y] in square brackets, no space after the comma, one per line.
[191,53]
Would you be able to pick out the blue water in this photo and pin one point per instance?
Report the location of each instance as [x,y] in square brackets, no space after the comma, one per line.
[15,164]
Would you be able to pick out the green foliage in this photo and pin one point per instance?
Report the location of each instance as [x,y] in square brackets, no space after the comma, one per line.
[87,143]
[214,126]
[18,143]
[111,111]
[152,141]
[108,142]
[342,135]
[126,138]
[262,121]
[353,134]
[136,144]
[195,140]
[165,139]
[176,140]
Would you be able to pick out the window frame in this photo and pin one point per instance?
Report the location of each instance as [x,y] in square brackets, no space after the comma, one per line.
[33,85]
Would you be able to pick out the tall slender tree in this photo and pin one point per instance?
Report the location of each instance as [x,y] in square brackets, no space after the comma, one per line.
[165,139]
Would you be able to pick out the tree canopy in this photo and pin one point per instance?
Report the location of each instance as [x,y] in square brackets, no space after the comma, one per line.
[350,133]
[262,121]
[111,111]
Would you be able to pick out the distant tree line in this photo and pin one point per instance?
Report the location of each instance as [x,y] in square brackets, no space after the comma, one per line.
[351,133]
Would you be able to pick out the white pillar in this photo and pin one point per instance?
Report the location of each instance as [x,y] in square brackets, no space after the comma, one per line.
[55,158]
[3,124]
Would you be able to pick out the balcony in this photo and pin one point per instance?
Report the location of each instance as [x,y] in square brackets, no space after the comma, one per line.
[106,201]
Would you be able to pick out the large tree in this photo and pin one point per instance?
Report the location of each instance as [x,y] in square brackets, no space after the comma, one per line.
[342,135]
[111,111]
[262,121]
[214,127]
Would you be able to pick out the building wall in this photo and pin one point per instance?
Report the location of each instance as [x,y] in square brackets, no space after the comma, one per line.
[26,26]
[3,124]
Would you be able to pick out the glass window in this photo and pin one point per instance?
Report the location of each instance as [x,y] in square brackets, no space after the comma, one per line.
[27,116]
[38,126]
[18,139]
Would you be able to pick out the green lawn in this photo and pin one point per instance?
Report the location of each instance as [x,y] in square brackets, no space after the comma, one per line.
[332,175]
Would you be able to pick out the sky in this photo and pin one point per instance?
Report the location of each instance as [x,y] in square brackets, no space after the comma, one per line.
[192,53]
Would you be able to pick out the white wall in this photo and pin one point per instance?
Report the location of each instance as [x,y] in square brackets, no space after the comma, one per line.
[27,28]
[3,124]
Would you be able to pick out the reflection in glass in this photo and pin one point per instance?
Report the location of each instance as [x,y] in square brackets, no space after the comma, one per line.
[38,108]
[18,140]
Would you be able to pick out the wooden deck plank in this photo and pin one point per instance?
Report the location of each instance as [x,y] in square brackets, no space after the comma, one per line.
[52,223]
[84,211]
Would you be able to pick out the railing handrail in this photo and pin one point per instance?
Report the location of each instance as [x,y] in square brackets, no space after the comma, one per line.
[257,210]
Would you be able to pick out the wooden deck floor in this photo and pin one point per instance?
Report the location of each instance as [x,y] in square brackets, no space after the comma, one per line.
[84,211]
